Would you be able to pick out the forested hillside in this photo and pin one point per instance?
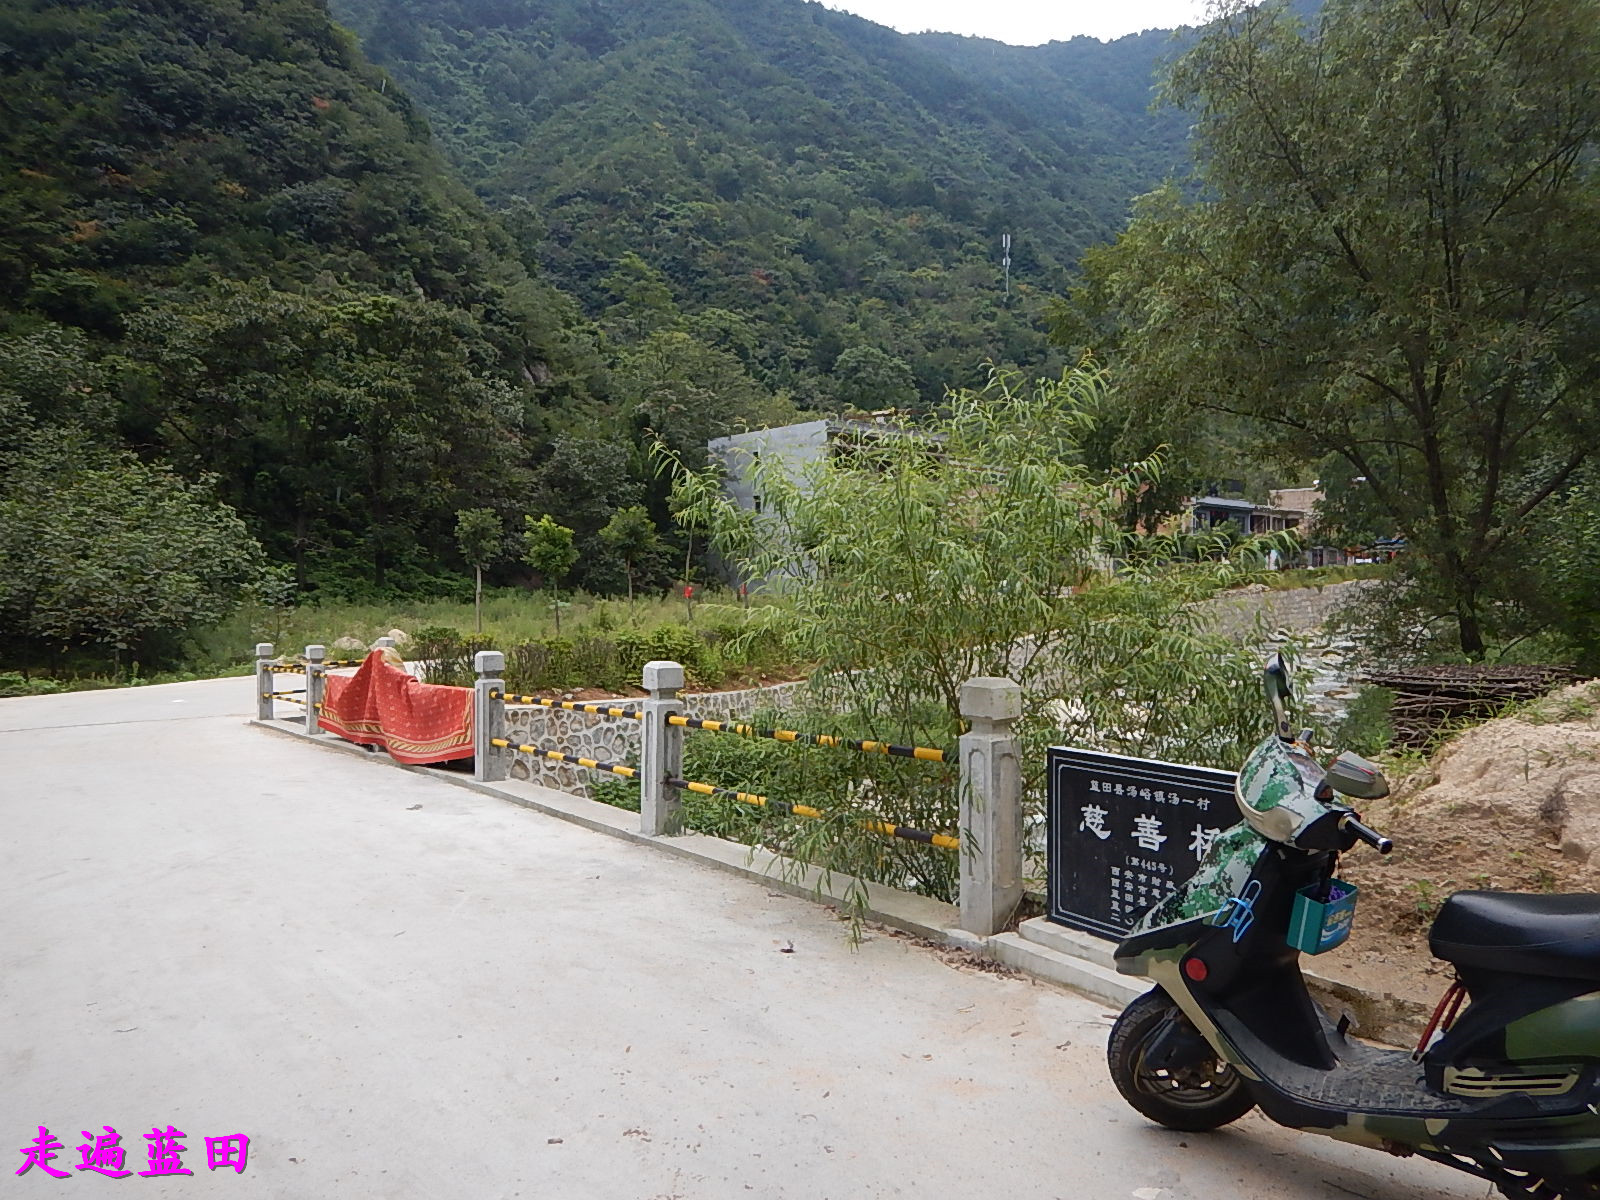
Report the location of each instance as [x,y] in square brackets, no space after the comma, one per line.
[228,245]
[834,185]
[251,313]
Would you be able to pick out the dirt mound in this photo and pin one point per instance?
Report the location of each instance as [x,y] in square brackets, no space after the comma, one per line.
[1510,805]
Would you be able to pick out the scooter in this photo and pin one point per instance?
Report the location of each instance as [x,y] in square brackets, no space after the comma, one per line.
[1505,1087]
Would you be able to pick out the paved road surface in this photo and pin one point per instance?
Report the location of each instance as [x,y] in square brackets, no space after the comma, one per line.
[399,989]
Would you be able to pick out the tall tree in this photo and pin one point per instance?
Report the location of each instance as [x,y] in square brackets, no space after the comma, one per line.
[547,548]
[481,540]
[1392,257]
[867,378]
[632,534]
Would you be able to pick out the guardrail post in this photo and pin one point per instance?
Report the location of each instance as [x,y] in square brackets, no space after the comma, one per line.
[488,716]
[991,806]
[264,682]
[660,751]
[315,675]
[384,643]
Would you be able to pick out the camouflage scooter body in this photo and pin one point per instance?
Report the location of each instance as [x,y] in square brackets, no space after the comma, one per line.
[1510,1093]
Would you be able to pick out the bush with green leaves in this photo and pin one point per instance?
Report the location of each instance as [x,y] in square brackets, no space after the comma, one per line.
[1368,724]
[979,544]
[612,660]
[99,549]
[846,786]
[448,654]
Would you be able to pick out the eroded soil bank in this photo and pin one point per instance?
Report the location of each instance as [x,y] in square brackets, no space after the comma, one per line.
[1510,805]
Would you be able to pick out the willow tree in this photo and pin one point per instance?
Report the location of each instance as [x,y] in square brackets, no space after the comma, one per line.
[975,544]
[1390,257]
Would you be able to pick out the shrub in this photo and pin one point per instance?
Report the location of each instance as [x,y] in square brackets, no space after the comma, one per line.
[978,544]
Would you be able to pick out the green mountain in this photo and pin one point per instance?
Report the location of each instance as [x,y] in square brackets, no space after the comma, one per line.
[227,242]
[241,266]
[828,181]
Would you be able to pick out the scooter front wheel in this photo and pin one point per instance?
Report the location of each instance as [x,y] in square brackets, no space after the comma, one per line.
[1194,1097]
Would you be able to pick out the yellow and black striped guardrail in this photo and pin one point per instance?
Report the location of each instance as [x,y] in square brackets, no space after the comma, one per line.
[805,810]
[291,697]
[286,669]
[925,753]
[599,710]
[575,760]
[886,828]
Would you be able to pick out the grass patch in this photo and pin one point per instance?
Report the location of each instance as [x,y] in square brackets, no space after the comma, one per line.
[1302,577]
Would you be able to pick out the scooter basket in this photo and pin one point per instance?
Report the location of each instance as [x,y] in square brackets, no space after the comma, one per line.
[1318,924]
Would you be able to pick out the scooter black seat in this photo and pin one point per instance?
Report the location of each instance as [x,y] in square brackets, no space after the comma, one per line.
[1529,935]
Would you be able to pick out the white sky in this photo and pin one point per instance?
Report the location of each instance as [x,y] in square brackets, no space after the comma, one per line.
[1027,22]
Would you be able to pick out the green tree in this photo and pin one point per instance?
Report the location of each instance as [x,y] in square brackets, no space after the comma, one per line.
[1389,259]
[865,377]
[642,300]
[684,393]
[481,540]
[100,550]
[547,548]
[586,476]
[981,548]
[632,534]
[349,420]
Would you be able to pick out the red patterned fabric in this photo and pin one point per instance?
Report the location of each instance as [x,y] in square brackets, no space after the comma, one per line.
[380,705]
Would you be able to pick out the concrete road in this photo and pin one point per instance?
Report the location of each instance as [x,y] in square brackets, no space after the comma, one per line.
[397,988]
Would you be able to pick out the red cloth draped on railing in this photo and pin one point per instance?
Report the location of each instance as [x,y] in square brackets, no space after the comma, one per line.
[381,705]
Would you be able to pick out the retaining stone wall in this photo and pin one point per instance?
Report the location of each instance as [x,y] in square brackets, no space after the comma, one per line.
[1294,610]
[613,739]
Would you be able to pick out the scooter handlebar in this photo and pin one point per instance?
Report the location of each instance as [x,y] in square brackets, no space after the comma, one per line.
[1368,835]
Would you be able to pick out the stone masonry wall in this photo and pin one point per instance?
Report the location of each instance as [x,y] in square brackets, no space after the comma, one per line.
[614,739]
[1294,610]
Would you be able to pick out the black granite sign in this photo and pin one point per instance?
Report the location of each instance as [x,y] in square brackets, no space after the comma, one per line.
[1125,833]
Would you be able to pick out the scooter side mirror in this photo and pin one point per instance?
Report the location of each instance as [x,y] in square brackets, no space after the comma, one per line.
[1275,682]
[1352,775]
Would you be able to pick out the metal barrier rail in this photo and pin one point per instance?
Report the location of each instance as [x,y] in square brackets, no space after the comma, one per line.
[300,668]
[289,696]
[925,753]
[886,828]
[558,756]
[599,710]
[805,810]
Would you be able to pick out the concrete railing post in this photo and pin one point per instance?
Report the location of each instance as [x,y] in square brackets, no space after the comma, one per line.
[660,751]
[264,684]
[316,674]
[489,762]
[991,806]
[383,643]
